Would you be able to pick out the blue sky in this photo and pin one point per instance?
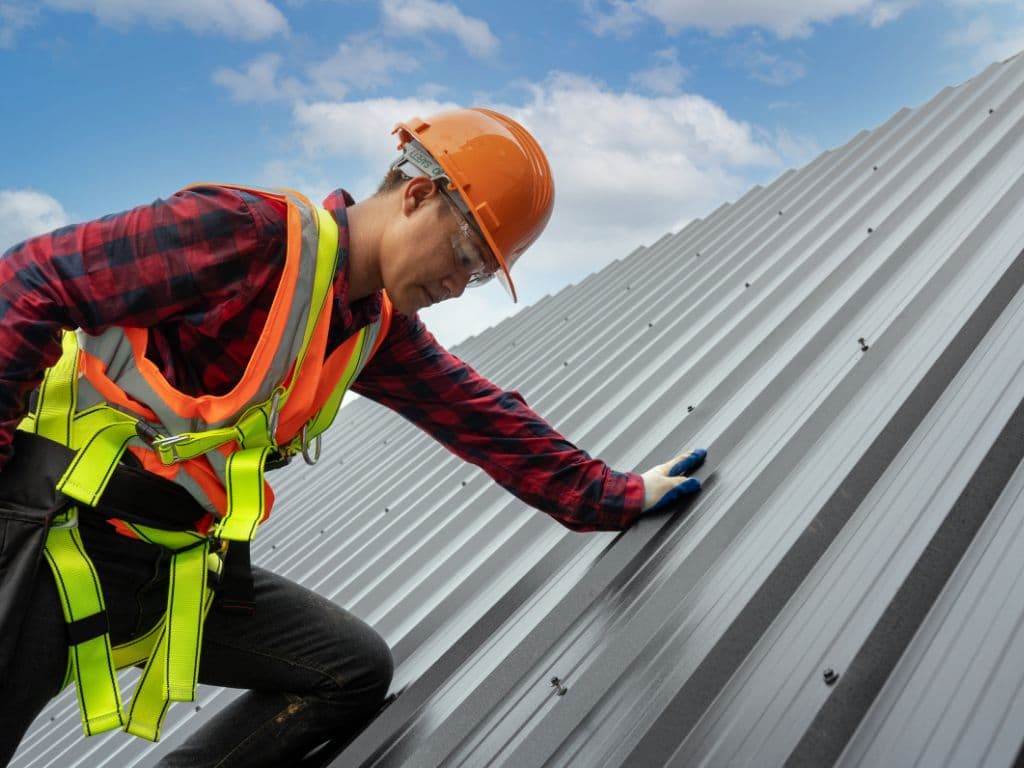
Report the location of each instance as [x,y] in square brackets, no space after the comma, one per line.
[653,112]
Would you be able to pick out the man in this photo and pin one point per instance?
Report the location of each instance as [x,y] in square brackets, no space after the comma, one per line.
[219,330]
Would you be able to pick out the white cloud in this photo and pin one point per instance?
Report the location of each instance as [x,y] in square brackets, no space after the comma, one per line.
[665,77]
[14,17]
[422,17]
[795,150]
[361,63]
[244,19]
[794,18]
[358,64]
[762,65]
[886,12]
[258,81]
[25,213]
[621,18]
[359,129]
[628,168]
[987,39]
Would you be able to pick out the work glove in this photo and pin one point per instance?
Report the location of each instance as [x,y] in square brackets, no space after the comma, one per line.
[668,483]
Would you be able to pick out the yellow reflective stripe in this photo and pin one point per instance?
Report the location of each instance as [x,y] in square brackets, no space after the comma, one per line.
[172,540]
[90,471]
[185,603]
[326,415]
[149,706]
[254,425]
[189,445]
[58,394]
[136,651]
[244,473]
[141,648]
[91,663]
[326,265]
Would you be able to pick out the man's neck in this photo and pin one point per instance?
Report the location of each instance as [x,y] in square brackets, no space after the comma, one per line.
[364,224]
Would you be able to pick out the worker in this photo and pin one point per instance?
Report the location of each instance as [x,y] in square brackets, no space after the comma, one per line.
[217,331]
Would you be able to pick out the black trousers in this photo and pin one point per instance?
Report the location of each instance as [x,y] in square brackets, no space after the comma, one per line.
[312,670]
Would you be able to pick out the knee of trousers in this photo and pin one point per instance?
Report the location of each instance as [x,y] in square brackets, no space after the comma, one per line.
[364,675]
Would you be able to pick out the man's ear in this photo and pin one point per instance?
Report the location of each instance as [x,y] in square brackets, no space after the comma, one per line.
[415,192]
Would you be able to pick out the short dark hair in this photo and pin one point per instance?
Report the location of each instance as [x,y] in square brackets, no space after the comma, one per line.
[392,181]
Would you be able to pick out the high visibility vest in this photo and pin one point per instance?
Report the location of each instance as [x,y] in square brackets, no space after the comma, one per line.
[104,397]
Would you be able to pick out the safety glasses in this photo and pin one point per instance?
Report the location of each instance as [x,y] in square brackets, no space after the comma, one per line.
[469,259]
[468,254]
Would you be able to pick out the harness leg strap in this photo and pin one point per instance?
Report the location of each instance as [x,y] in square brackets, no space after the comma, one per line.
[89,654]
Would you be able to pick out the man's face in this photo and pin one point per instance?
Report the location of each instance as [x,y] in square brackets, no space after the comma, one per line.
[430,254]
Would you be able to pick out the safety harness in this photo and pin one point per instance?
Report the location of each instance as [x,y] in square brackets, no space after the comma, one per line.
[234,449]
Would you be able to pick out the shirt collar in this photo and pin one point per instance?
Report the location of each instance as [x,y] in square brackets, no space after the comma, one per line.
[348,317]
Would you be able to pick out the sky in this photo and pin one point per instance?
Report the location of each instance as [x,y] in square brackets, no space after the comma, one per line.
[652,112]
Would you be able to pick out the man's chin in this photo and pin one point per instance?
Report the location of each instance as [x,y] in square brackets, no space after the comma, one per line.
[408,304]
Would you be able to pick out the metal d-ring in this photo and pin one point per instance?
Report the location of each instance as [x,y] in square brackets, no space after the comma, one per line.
[305,448]
[275,411]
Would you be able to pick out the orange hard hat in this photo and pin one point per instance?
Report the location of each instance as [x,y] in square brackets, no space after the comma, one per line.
[498,169]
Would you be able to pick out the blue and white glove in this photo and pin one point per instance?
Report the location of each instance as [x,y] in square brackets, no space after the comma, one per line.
[668,483]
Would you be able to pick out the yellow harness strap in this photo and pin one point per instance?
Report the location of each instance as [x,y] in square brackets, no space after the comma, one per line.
[173,646]
[100,435]
[90,661]
[89,654]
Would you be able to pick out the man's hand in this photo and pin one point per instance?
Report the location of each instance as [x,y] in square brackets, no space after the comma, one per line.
[667,483]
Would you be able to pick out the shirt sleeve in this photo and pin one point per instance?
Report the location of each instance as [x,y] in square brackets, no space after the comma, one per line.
[187,257]
[494,429]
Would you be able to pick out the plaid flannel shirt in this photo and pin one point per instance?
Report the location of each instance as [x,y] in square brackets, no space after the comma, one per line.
[199,271]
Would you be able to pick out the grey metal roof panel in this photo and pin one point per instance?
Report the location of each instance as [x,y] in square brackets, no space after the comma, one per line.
[965,657]
[845,341]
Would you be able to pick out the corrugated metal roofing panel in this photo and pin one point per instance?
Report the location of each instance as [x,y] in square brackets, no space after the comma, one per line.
[846,343]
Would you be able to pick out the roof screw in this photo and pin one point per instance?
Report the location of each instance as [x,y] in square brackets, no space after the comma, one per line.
[780,213]
[198,707]
[650,325]
[863,344]
[689,409]
[830,676]
[874,168]
[463,483]
[698,254]
[557,685]
[321,531]
[870,230]
[565,364]
[746,285]
[386,510]
[990,111]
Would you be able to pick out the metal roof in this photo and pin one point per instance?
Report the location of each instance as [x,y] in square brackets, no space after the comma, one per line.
[846,342]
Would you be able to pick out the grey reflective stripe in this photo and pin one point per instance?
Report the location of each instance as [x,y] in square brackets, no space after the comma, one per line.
[372,333]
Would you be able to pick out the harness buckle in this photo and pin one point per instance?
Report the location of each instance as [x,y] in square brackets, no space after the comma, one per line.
[70,521]
[171,442]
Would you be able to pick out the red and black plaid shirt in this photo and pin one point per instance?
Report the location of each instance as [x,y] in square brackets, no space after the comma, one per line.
[199,271]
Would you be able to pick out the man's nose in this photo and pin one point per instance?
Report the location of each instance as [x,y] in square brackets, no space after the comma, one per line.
[454,285]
